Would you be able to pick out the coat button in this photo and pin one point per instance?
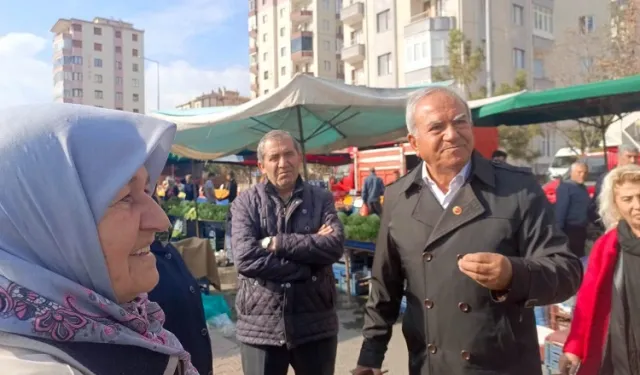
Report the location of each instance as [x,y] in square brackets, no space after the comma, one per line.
[192,289]
[304,211]
[427,256]
[465,355]
[314,278]
[432,348]
[307,228]
[428,303]
[464,307]
[287,285]
[204,332]
[168,256]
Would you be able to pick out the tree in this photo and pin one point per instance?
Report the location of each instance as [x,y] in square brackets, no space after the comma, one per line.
[515,140]
[465,62]
[585,55]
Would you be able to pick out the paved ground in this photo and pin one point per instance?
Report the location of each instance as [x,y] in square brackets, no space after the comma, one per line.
[226,357]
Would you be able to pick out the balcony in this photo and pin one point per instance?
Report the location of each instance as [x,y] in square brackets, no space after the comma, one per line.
[255,88]
[253,33]
[353,13]
[301,15]
[253,68]
[253,50]
[421,23]
[302,47]
[253,12]
[302,57]
[355,53]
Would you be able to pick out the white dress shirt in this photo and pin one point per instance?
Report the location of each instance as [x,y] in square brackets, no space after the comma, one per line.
[454,186]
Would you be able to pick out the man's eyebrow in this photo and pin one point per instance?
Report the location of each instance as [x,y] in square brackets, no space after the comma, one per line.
[461,116]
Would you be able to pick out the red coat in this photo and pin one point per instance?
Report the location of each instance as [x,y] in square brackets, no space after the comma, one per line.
[590,323]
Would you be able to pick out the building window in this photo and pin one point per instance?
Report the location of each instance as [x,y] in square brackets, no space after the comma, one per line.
[76,76]
[77,27]
[517,14]
[119,96]
[134,37]
[384,64]
[118,49]
[265,75]
[327,45]
[282,12]
[518,58]
[382,21]
[586,24]
[136,110]
[136,98]
[97,31]
[264,37]
[538,69]
[76,43]
[264,18]
[118,108]
[135,67]
[264,56]
[283,51]
[97,63]
[97,78]
[135,82]
[325,25]
[97,47]
[119,81]
[77,93]
[327,66]
[283,70]
[134,52]
[282,31]
[265,92]
[119,65]
[118,34]
[98,94]
[542,20]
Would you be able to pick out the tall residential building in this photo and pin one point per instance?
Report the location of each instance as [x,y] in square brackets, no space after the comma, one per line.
[293,36]
[220,98]
[99,63]
[399,43]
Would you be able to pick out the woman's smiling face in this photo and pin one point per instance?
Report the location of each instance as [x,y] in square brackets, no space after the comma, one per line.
[126,232]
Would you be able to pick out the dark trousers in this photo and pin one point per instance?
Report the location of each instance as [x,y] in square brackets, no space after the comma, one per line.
[375,208]
[577,235]
[314,358]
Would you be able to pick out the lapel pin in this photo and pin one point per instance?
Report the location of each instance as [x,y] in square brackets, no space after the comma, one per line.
[457,210]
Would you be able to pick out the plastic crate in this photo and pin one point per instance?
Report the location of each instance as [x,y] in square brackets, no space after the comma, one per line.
[553,350]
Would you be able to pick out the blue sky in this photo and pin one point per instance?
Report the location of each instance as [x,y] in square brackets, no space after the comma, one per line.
[201,44]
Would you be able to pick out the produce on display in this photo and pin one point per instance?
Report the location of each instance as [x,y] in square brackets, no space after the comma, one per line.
[360,228]
[187,210]
[221,194]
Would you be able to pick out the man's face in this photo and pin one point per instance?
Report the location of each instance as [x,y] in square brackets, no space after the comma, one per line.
[281,162]
[579,173]
[443,135]
[627,157]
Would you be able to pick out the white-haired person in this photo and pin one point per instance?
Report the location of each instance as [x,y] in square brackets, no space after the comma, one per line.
[605,331]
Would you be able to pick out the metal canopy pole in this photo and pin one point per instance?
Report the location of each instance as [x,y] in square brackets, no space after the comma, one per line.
[304,151]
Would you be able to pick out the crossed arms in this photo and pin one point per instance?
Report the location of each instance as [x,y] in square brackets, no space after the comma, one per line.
[290,256]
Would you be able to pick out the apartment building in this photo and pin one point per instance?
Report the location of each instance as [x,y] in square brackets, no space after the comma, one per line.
[220,98]
[293,36]
[99,63]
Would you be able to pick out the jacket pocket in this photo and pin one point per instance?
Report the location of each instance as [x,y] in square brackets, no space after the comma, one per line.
[254,298]
[495,347]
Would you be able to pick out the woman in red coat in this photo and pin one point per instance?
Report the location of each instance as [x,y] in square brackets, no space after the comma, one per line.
[605,330]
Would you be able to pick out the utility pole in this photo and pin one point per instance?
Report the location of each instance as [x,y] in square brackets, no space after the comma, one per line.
[488,47]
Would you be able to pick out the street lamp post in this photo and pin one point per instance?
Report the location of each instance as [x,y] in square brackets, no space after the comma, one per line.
[157,81]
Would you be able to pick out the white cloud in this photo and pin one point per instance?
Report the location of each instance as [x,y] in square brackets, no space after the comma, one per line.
[167,31]
[23,78]
[181,82]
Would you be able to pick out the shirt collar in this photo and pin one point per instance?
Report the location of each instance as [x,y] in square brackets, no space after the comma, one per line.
[460,178]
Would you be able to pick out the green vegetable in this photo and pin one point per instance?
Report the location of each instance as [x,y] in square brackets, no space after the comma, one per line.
[361,228]
[343,217]
[187,210]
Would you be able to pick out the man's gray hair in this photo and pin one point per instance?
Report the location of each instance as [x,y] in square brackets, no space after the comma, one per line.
[277,134]
[625,147]
[416,97]
[579,164]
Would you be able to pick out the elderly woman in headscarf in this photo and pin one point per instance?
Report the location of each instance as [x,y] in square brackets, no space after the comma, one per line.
[76,222]
[605,331]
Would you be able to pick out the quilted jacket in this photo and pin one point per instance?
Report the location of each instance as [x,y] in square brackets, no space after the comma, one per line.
[287,296]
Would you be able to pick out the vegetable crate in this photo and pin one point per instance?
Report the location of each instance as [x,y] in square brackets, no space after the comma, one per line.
[357,273]
[553,350]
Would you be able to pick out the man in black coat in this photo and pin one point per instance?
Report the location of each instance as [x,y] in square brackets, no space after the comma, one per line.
[477,246]
[286,236]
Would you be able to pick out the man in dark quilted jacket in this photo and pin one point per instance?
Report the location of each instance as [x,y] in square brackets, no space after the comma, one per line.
[286,236]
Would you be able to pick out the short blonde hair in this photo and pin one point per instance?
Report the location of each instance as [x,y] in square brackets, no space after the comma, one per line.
[608,210]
